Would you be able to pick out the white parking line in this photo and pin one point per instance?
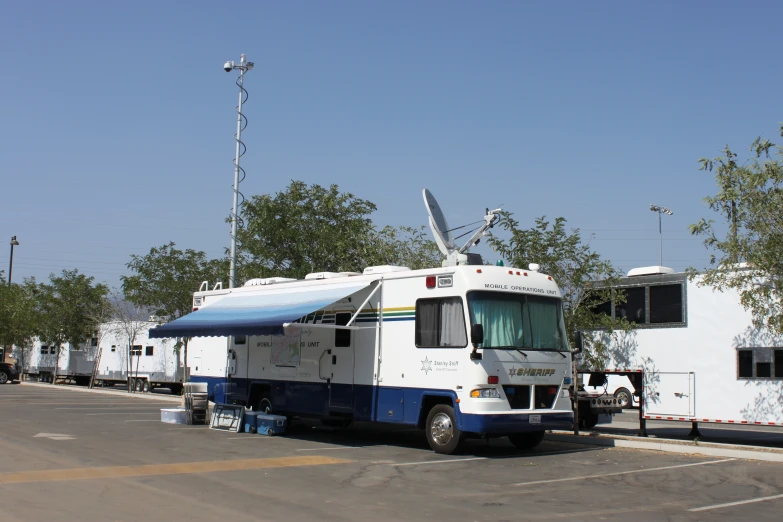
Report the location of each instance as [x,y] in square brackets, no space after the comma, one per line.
[143,420]
[621,473]
[738,503]
[136,406]
[336,449]
[425,462]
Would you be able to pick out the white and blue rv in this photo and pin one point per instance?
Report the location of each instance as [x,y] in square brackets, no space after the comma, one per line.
[461,350]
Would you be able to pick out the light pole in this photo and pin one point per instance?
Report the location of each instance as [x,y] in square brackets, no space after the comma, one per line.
[661,210]
[14,243]
[243,66]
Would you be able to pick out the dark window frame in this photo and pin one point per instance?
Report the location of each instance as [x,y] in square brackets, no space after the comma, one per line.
[773,366]
[342,337]
[647,282]
[149,351]
[417,329]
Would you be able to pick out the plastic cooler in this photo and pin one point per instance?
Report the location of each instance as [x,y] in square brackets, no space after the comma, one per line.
[250,421]
[267,424]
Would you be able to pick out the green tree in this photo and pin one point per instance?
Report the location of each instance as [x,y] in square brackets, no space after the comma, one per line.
[403,246]
[575,267]
[67,307]
[164,281]
[749,202]
[305,229]
[18,318]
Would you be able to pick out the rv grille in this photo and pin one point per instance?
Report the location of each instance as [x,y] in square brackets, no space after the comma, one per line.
[545,396]
[518,397]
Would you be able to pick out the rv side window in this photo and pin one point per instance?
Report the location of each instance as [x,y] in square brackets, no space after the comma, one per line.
[342,338]
[633,309]
[666,304]
[148,350]
[440,323]
[240,339]
[44,350]
[745,363]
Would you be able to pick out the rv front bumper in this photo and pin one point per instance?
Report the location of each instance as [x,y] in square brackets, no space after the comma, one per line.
[507,424]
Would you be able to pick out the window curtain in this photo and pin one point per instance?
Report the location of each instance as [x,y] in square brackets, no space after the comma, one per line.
[452,323]
[544,325]
[427,317]
[502,321]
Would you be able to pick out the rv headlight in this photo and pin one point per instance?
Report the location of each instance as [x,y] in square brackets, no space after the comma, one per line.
[485,393]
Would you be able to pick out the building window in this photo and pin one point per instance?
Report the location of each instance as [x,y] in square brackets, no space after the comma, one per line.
[760,363]
[44,350]
[634,308]
[148,351]
[342,338]
[52,349]
[666,304]
[440,323]
[113,347]
[136,349]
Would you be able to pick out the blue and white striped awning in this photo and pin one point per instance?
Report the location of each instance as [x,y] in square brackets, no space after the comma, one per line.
[257,312]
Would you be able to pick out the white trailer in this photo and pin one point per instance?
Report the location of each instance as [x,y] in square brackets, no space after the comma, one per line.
[703,359]
[463,350]
[143,363]
[75,363]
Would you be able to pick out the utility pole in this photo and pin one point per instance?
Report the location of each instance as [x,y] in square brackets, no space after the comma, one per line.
[14,243]
[661,210]
[243,66]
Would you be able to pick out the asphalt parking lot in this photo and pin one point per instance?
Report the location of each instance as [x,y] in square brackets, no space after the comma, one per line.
[68,455]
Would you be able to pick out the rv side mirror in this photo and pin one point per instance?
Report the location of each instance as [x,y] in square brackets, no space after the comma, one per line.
[476,337]
[578,342]
[476,334]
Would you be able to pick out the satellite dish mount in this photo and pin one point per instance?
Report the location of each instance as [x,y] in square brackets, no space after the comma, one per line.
[442,234]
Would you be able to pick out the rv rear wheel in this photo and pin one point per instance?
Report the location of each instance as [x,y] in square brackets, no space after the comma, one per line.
[442,432]
[264,404]
[3,377]
[624,398]
[526,441]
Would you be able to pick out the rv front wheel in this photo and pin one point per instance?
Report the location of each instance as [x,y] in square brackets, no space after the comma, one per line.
[3,377]
[526,441]
[442,432]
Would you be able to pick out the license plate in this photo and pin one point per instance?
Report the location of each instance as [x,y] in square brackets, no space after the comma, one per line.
[535,419]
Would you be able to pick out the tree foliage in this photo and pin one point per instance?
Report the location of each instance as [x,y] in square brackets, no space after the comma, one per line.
[305,229]
[18,317]
[164,280]
[574,266]
[749,202]
[403,246]
[67,307]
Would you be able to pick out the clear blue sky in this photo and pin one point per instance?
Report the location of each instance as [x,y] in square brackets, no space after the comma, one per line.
[117,119]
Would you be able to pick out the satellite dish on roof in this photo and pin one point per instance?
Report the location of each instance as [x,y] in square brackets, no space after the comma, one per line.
[440,230]
[438,224]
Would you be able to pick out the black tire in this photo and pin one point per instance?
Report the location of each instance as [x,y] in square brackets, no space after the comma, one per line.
[132,384]
[588,419]
[442,433]
[264,404]
[526,441]
[146,387]
[624,398]
[3,377]
[139,385]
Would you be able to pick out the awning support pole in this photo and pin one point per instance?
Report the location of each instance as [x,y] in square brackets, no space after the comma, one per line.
[359,310]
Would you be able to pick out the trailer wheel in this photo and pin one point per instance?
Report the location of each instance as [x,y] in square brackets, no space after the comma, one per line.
[139,385]
[588,419]
[132,384]
[526,441]
[442,432]
[265,404]
[146,386]
[624,398]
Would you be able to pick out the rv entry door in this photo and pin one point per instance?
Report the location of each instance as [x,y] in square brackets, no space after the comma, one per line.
[670,394]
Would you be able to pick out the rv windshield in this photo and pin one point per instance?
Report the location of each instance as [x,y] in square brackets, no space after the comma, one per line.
[518,321]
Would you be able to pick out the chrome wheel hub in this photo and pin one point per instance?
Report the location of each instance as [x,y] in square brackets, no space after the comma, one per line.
[441,429]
